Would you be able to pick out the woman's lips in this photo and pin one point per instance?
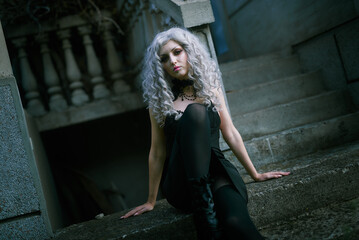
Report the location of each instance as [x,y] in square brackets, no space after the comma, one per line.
[176,69]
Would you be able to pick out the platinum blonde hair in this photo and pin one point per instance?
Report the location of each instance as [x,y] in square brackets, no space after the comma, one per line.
[157,83]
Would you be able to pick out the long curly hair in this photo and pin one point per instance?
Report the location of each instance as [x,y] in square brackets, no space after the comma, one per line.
[157,84]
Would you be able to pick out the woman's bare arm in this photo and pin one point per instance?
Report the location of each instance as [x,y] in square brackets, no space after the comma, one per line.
[156,161]
[235,142]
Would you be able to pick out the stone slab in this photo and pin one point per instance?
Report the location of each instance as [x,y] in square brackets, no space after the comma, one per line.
[276,92]
[266,72]
[29,228]
[18,194]
[336,221]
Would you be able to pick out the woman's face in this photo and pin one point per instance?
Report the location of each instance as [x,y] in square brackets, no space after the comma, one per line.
[174,60]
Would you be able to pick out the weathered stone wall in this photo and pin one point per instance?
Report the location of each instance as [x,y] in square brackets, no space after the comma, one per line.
[260,27]
[20,205]
[336,53]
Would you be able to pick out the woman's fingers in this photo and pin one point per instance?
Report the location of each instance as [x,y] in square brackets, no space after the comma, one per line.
[271,175]
[138,210]
[130,213]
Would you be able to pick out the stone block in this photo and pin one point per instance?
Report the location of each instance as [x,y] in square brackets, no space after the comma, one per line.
[29,228]
[18,194]
[187,13]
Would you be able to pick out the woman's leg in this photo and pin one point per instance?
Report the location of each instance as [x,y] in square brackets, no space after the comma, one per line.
[191,155]
[233,214]
[193,145]
[194,141]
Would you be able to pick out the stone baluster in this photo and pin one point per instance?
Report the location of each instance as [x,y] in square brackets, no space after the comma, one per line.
[78,95]
[93,65]
[147,22]
[57,101]
[29,83]
[114,62]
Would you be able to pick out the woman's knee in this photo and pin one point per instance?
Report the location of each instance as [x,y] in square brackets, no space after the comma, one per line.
[196,114]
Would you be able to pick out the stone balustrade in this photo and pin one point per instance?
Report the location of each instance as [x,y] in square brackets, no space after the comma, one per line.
[70,67]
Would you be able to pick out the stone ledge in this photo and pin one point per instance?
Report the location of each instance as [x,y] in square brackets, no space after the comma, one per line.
[317,182]
[94,110]
[163,223]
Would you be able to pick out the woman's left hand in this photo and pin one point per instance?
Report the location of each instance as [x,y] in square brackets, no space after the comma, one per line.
[269,175]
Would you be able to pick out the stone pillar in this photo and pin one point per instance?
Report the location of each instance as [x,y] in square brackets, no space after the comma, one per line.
[29,83]
[22,214]
[93,65]
[78,95]
[57,101]
[114,62]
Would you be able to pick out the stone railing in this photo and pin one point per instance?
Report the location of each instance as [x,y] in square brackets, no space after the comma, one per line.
[70,73]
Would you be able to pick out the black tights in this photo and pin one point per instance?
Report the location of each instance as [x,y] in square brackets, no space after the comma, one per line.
[191,158]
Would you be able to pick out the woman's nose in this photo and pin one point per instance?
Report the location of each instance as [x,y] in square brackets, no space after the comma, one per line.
[173,59]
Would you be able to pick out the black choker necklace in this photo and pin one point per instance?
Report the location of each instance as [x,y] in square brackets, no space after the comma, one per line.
[179,85]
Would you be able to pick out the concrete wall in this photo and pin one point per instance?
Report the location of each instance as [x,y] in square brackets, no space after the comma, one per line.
[264,26]
[21,205]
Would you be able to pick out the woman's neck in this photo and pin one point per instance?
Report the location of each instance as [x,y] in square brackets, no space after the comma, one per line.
[188,89]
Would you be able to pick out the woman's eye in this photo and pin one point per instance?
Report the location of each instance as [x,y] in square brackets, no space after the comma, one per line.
[177,52]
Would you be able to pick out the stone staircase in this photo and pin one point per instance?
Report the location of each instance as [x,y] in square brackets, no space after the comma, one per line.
[289,121]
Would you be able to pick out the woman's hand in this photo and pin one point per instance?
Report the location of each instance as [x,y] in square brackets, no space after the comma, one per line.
[139,210]
[269,175]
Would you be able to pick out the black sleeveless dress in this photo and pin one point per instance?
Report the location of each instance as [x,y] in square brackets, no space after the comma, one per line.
[173,182]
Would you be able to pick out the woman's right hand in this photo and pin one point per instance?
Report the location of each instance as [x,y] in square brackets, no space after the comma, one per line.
[139,210]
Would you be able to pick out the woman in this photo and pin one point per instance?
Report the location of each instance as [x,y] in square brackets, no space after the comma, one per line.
[187,108]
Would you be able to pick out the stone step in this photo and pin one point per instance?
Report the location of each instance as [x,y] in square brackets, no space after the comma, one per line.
[266,72]
[285,116]
[276,92]
[315,182]
[336,221]
[254,61]
[301,140]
